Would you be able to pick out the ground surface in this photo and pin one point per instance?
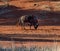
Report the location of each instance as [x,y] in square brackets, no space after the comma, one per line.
[17,36]
[49,19]
[19,30]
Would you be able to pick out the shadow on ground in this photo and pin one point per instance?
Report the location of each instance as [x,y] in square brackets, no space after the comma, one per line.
[11,14]
[14,38]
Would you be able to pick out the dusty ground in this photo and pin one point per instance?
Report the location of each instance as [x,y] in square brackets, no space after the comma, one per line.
[47,32]
[51,18]
[20,30]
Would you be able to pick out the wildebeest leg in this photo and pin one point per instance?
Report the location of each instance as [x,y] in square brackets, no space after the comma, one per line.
[23,25]
[30,26]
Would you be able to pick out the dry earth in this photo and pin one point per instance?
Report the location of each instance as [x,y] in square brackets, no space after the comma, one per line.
[47,32]
[27,8]
[19,30]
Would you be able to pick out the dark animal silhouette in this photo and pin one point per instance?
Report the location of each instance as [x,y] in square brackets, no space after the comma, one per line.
[30,20]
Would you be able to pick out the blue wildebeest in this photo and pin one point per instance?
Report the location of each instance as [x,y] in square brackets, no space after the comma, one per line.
[30,20]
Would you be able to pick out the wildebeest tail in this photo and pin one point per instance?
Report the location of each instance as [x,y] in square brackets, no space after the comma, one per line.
[18,22]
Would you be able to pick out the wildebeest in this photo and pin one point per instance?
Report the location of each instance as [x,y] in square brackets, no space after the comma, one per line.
[31,20]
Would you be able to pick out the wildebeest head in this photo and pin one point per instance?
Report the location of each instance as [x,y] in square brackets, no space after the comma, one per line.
[35,22]
[36,25]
